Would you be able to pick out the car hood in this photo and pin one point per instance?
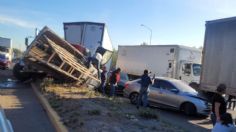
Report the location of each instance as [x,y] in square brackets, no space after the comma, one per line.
[195,95]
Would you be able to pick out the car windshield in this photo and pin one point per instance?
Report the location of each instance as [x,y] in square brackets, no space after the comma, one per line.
[196,69]
[182,86]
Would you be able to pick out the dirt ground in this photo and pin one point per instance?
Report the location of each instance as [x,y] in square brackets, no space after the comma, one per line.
[85,110]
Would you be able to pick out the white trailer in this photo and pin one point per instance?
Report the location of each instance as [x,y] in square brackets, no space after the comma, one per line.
[90,35]
[173,61]
[219,55]
[6,47]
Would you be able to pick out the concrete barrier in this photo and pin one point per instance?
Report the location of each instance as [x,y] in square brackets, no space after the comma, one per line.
[53,116]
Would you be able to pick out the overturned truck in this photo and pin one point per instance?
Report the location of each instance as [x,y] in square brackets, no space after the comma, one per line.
[48,54]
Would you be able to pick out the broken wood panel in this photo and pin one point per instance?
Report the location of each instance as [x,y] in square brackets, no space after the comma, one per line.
[70,57]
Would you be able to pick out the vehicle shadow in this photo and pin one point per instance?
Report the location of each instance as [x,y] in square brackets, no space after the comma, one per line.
[194,123]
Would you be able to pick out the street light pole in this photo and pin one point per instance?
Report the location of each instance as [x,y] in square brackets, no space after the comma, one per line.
[150,32]
[27,41]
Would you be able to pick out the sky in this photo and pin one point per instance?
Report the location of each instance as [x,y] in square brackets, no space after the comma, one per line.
[171,21]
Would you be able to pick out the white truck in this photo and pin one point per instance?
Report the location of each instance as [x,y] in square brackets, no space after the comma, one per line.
[172,61]
[219,56]
[90,35]
[6,52]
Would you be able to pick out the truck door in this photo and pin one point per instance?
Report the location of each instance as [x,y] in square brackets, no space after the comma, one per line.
[186,72]
[171,64]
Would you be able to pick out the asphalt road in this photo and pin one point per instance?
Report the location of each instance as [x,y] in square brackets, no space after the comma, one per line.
[21,105]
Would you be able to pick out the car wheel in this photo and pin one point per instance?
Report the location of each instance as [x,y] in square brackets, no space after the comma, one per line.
[189,109]
[133,98]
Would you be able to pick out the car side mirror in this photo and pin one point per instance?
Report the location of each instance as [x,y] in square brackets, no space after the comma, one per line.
[174,90]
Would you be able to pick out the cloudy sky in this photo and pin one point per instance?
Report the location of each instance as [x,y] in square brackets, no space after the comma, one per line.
[172,21]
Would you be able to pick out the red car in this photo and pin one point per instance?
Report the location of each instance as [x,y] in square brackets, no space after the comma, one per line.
[4,62]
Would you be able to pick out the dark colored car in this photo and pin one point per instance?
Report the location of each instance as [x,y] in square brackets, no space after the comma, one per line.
[120,85]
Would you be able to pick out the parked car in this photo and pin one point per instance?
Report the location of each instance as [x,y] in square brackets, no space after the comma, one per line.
[4,62]
[5,124]
[120,85]
[170,93]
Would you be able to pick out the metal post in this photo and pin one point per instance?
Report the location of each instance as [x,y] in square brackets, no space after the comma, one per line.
[150,32]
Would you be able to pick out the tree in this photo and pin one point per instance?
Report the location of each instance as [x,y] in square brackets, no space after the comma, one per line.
[114,58]
[17,53]
[144,43]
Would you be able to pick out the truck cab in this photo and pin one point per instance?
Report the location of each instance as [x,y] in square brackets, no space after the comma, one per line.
[6,52]
[190,73]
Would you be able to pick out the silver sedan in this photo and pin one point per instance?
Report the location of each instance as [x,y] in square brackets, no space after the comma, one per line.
[170,93]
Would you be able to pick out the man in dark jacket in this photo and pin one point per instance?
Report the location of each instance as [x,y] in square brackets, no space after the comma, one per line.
[103,80]
[143,92]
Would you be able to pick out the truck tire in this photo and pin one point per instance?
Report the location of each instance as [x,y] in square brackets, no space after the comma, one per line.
[18,74]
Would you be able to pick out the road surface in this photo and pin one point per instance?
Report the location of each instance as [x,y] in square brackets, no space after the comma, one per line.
[21,106]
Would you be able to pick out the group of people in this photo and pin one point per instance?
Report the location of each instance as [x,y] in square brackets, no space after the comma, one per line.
[113,80]
[95,61]
[221,120]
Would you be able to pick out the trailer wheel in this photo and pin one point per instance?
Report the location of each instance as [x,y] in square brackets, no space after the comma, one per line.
[17,72]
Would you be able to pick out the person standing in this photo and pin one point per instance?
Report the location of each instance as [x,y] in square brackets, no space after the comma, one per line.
[218,104]
[96,61]
[115,77]
[103,80]
[143,92]
[231,100]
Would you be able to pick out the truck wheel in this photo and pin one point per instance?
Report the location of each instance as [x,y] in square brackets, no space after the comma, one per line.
[189,109]
[17,72]
[133,98]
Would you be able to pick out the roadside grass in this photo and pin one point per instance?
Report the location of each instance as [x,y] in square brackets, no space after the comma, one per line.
[94,112]
[148,113]
[60,96]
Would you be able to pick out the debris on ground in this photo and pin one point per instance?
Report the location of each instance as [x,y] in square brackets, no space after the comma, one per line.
[85,110]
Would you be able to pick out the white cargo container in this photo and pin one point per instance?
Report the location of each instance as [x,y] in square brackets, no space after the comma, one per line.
[6,47]
[6,52]
[90,35]
[173,61]
[219,55]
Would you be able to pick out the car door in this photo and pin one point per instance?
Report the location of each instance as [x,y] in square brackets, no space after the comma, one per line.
[155,92]
[169,96]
